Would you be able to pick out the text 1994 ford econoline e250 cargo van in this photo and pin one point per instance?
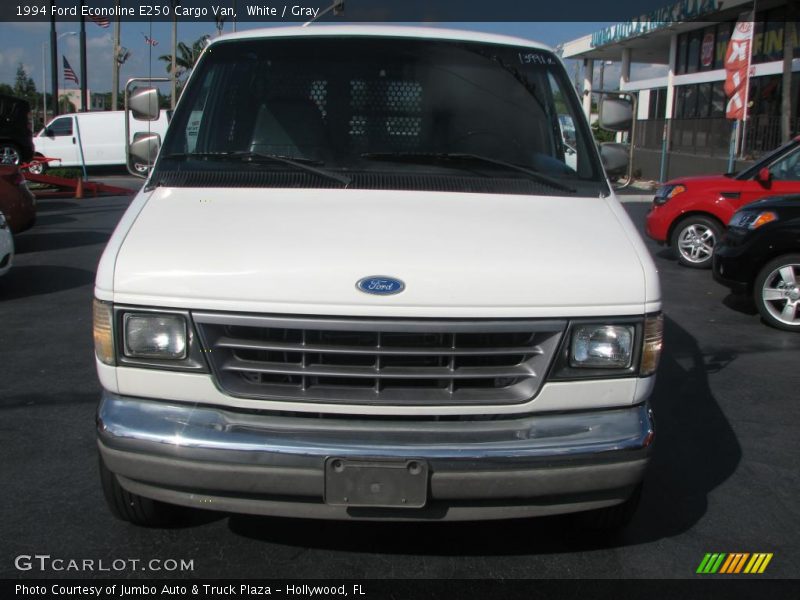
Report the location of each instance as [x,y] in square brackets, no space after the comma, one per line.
[367,279]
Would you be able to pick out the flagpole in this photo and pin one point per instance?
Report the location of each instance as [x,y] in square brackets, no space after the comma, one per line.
[84,70]
[115,62]
[747,83]
[173,76]
[53,60]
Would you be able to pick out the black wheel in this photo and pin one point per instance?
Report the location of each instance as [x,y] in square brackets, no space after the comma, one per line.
[611,518]
[133,508]
[693,240]
[9,154]
[776,292]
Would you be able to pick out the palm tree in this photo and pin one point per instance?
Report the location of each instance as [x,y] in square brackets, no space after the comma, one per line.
[65,104]
[185,57]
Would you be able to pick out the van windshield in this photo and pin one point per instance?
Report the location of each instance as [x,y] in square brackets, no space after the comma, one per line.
[380,113]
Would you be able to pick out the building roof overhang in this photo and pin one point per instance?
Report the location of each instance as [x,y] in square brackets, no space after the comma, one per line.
[649,38]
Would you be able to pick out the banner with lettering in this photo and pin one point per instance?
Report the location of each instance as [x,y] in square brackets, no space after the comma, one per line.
[737,67]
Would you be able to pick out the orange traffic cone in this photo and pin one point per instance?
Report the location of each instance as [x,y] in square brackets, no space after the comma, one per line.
[79,188]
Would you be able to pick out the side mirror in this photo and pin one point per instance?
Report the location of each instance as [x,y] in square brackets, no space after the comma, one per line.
[143,104]
[49,132]
[144,147]
[616,114]
[615,159]
[764,177]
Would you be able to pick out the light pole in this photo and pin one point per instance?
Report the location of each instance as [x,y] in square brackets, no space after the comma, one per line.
[115,64]
[172,74]
[44,78]
[603,64]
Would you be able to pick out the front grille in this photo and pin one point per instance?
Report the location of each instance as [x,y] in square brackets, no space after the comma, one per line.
[376,361]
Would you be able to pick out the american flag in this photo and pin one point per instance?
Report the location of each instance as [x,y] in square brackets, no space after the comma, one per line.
[101,21]
[149,40]
[69,74]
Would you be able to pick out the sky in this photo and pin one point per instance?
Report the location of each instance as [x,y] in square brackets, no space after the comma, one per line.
[24,42]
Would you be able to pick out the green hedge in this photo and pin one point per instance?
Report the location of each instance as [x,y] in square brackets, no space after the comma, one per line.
[68,172]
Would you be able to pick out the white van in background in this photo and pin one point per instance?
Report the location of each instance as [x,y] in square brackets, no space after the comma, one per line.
[102,135]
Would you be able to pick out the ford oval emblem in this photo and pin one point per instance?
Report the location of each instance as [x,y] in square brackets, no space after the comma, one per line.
[380,285]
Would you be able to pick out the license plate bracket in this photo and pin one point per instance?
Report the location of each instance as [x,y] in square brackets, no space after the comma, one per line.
[376,483]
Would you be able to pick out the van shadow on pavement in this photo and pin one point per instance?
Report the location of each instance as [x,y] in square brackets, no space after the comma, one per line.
[34,280]
[39,242]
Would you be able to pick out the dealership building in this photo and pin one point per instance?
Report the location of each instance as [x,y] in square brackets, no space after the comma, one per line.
[681,126]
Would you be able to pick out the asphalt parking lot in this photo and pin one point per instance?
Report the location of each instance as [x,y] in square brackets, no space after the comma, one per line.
[724,477]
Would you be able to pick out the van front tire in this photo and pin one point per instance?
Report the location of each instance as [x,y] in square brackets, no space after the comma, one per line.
[132,508]
[612,518]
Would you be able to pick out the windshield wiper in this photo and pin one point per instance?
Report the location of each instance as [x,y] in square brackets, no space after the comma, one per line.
[302,164]
[443,157]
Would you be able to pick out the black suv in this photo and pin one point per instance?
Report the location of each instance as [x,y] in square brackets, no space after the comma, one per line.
[760,255]
[16,138]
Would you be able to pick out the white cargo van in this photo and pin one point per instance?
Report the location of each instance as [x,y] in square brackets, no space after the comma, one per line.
[365,280]
[102,135]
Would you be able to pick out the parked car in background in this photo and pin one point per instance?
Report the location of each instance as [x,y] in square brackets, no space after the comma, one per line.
[101,134]
[760,255]
[690,213]
[6,246]
[16,143]
[16,200]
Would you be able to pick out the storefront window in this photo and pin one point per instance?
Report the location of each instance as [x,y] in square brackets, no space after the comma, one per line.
[693,53]
[718,99]
[723,37]
[765,96]
[658,103]
[686,102]
[683,43]
[661,107]
[707,49]
[703,100]
[768,36]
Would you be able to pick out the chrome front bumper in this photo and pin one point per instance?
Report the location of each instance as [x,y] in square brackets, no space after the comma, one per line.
[275,465]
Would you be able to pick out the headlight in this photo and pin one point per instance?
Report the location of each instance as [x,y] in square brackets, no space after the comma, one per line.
[751,219]
[155,336]
[103,331]
[602,346]
[667,192]
[617,347]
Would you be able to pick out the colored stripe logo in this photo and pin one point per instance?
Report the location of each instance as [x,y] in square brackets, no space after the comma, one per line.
[734,563]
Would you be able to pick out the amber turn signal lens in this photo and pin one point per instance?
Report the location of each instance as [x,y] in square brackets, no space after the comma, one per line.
[762,219]
[103,332]
[651,348]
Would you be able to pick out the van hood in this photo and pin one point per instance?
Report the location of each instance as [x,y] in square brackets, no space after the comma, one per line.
[459,255]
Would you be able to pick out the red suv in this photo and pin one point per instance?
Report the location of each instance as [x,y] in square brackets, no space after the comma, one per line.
[690,213]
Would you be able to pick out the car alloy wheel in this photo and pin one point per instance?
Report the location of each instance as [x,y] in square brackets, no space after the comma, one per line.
[777,292]
[9,154]
[694,241]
